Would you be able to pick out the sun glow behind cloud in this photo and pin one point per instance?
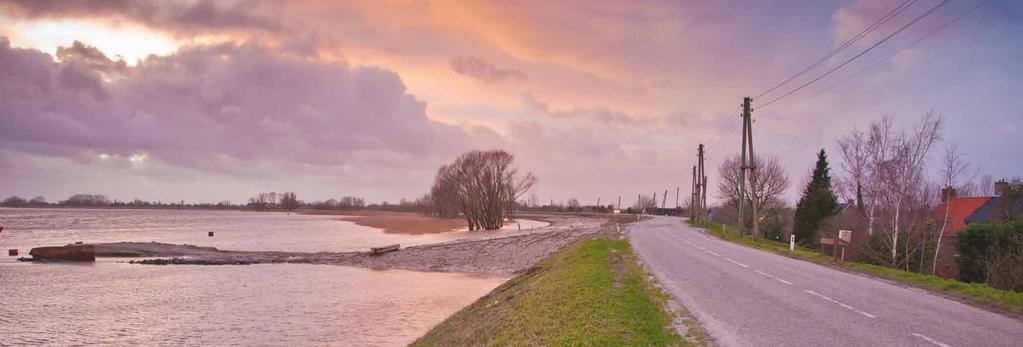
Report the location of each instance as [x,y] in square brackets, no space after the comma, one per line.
[129,41]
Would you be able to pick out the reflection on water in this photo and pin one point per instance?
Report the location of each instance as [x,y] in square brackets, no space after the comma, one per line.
[113,303]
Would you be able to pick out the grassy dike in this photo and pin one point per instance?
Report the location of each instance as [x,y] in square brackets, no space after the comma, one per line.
[978,294]
[593,292]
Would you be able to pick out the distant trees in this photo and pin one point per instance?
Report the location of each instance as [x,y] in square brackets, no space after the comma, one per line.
[87,200]
[289,201]
[817,203]
[14,201]
[644,202]
[481,185]
[768,182]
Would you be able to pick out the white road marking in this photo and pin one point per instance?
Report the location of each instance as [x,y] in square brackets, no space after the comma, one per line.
[701,248]
[928,339]
[772,277]
[737,263]
[839,303]
[713,253]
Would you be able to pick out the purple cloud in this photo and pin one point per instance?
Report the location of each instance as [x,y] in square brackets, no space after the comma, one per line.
[485,72]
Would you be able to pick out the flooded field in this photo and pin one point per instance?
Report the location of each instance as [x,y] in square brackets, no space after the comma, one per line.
[112,302]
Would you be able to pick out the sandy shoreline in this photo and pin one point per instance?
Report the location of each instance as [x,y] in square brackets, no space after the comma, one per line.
[486,253]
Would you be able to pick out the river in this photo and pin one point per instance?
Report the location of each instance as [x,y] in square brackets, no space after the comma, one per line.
[111,302]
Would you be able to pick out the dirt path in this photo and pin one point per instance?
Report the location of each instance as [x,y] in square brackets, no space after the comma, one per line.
[502,255]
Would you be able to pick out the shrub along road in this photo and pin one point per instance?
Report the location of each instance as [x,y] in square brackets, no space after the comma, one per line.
[744,296]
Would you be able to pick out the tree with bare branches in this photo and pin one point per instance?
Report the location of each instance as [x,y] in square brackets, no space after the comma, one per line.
[769,182]
[953,169]
[483,186]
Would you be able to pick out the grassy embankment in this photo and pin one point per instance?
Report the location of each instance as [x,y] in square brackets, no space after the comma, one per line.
[592,292]
[977,293]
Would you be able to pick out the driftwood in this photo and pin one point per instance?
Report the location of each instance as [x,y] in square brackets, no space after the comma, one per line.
[384,249]
[74,252]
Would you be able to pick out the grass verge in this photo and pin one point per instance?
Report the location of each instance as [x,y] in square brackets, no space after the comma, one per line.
[977,293]
[593,292]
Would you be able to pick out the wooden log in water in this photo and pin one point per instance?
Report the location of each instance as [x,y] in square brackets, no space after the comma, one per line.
[70,252]
[384,249]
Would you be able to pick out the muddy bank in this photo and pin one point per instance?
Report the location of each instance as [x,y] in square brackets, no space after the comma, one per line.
[491,254]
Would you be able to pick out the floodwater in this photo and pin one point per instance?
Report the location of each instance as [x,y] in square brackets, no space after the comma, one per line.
[111,302]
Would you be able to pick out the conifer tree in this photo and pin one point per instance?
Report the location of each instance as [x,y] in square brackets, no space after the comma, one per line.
[817,203]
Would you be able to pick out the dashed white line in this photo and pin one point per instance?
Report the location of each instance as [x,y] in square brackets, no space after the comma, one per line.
[712,253]
[928,339]
[839,303]
[737,263]
[772,277]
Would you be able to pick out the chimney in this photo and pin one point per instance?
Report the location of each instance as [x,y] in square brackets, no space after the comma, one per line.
[1000,187]
[947,194]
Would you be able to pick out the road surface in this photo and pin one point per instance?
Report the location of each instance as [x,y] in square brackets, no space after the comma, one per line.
[747,297]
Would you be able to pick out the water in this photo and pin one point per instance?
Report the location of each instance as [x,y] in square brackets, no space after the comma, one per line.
[111,302]
[233,230]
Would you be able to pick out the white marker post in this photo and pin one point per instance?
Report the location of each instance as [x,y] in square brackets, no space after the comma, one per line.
[792,242]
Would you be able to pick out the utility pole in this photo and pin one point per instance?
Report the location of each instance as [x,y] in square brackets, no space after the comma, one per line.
[619,202]
[692,197]
[664,198]
[748,168]
[701,186]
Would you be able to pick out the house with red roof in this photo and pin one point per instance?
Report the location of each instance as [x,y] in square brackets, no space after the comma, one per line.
[961,212]
[958,209]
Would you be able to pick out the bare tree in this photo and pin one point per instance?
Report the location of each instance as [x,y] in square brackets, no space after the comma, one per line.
[889,169]
[910,154]
[986,186]
[856,154]
[483,186]
[952,171]
[769,182]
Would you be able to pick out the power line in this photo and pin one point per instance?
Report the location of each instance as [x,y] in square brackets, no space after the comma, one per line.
[879,62]
[886,38]
[895,11]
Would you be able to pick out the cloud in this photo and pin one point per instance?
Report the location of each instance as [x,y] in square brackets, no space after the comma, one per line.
[485,72]
[183,17]
[216,109]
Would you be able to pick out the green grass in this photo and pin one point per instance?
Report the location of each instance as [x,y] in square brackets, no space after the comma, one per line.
[978,293]
[591,293]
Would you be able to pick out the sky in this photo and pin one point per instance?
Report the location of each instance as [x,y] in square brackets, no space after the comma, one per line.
[209,100]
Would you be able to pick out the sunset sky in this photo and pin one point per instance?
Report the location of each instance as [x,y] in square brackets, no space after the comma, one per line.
[211,100]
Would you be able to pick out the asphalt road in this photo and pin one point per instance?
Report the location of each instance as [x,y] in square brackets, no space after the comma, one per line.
[747,297]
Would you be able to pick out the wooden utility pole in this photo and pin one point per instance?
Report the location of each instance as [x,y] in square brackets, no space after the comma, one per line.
[664,198]
[701,186]
[692,197]
[619,202]
[748,168]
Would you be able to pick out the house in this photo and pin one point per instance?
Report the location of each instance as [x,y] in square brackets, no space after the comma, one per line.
[959,209]
[963,212]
